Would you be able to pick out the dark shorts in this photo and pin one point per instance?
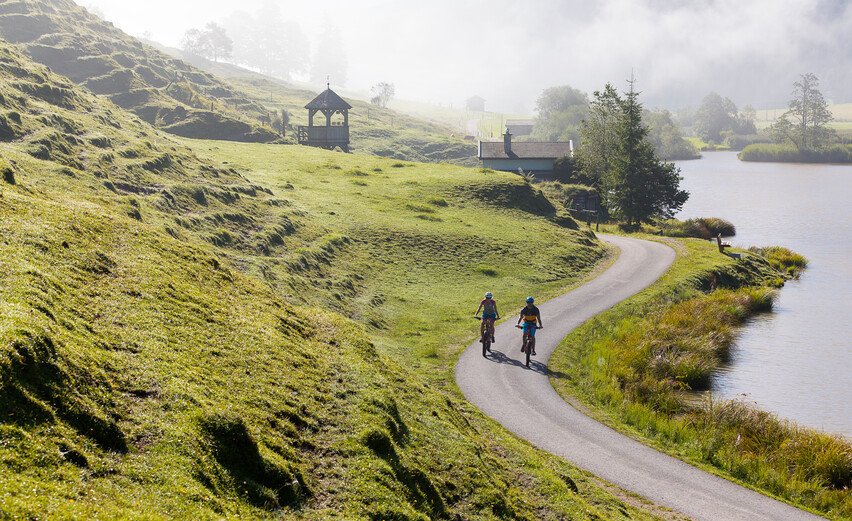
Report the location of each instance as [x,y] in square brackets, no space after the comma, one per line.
[489,316]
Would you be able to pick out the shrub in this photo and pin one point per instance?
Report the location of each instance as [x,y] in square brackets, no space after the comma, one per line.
[486,270]
[419,207]
[701,228]
[7,170]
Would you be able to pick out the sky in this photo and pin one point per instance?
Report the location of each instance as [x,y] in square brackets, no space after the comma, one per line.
[509,51]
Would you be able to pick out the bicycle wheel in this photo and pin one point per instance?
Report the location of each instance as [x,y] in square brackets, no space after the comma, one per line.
[486,343]
[528,349]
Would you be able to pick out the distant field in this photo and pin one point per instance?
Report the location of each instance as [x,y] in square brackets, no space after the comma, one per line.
[766,117]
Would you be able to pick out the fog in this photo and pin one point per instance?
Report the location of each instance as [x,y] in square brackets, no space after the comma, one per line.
[507,52]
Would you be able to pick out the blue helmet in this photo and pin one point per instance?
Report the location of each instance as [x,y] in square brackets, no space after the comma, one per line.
[488,295]
[530,300]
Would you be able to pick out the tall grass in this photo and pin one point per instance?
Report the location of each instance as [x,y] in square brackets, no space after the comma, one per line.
[640,361]
[785,261]
[790,154]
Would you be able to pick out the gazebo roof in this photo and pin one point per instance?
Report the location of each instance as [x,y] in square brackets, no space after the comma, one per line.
[328,100]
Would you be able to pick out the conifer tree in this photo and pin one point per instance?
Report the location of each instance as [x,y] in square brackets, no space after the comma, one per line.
[638,187]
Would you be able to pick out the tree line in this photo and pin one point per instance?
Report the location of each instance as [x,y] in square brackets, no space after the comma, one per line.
[561,111]
[267,42]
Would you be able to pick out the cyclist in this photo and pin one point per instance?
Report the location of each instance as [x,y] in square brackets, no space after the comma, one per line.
[489,315]
[530,315]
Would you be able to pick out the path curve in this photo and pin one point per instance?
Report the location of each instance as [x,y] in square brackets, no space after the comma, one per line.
[524,402]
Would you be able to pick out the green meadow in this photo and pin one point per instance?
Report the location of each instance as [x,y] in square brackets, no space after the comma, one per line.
[208,329]
[257,332]
[420,243]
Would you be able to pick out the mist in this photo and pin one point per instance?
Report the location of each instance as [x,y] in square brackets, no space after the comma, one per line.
[508,52]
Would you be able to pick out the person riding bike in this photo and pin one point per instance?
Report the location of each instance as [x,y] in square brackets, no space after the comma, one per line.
[489,315]
[530,315]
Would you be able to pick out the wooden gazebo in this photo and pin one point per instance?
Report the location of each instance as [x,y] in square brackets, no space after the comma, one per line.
[333,133]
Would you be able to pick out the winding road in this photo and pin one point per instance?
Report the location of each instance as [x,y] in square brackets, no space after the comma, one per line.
[524,402]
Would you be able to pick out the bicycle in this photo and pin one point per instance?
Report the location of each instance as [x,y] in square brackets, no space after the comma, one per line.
[526,346]
[487,331]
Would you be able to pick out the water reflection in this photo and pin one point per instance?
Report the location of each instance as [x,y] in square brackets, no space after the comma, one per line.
[796,361]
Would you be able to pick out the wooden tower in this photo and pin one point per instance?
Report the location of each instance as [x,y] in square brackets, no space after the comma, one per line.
[331,134]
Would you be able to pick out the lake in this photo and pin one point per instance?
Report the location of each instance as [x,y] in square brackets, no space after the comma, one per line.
[797,360]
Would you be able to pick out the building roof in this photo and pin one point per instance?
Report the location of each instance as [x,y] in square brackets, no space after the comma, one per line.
[522,150]
[328,100]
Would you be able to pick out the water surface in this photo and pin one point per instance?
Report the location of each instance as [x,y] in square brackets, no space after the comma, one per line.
[796,361]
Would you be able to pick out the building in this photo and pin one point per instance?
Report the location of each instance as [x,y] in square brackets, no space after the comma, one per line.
[530,157]
[520,127]
[475,104]
[335,132]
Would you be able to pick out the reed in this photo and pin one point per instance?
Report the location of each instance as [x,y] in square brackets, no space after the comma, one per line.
[790,263]
[789,154]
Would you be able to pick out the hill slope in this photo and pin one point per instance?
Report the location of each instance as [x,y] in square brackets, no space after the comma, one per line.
[163,91]
[144,375]
[377,131]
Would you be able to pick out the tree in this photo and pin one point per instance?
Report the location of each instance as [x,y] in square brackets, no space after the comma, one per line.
[745,120]
[560,112]
[285,121]
[715,115]
[221,46]
[194,42]
[666,137]
[597,135]
[637,186]
[809,113]
[266,42]
[329,58]
[212,42]
[383,93]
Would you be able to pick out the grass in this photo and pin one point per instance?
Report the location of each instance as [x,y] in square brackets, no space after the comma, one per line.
[704,146]
[373,130]
[165,92]
[172,338]
[636,364]
[417,240]
[783,260]
[206,330]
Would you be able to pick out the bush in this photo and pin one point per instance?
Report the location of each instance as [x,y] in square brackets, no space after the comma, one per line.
[701,227]
[486,270]
[7,170]
[739,141]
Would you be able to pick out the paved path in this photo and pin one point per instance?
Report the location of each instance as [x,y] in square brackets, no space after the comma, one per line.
[525,403]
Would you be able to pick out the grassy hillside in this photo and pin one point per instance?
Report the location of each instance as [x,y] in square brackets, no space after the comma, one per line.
[163,91]
[156,362]
[373,130]
[187,101]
